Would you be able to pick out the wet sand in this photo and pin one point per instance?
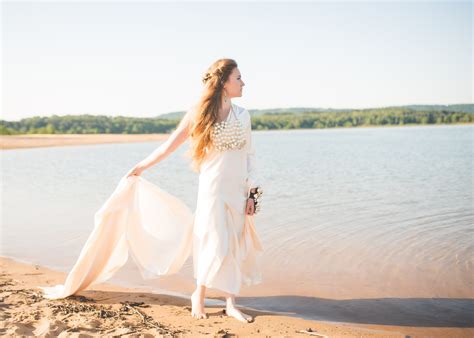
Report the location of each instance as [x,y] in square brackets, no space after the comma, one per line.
[54,140]
[107,309]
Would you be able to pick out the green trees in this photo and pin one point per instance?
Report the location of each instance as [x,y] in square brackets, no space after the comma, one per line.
[100,124]
[87,124]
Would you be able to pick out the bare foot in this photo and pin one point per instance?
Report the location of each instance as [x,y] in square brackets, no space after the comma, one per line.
[197,307]
[237,314]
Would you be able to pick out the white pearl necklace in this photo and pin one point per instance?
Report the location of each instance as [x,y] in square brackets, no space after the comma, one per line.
[228,135]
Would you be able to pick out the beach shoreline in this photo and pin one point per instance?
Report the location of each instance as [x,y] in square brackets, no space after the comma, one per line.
[54,140]
[8,142]
[115,310]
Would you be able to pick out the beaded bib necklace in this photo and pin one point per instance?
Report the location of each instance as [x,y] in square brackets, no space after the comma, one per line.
[228,135]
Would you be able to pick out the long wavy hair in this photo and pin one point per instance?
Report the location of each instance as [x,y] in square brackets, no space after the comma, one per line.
[207,109]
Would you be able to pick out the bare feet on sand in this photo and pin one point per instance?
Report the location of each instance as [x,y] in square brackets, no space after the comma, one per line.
[197,308]
[232,311]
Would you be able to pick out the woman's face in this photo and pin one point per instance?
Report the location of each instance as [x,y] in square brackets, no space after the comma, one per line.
[234,84]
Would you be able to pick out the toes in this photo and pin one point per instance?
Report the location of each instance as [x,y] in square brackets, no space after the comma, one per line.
[199,315]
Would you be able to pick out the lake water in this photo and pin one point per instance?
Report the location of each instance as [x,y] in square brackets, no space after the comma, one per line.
[358,224]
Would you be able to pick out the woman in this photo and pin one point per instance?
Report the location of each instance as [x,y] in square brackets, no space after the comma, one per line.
[159,231]
[223,154]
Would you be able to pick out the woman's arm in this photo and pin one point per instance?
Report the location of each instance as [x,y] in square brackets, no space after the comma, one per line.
[253,180]
[252,176]
[177,137]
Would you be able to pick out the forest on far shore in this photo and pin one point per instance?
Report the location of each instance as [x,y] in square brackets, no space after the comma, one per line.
[102,124]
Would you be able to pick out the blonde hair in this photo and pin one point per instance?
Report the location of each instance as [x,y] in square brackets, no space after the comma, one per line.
[207,109]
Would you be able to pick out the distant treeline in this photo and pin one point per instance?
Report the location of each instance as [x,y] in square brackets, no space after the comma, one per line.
[357,118]
[100,124]
[87,124]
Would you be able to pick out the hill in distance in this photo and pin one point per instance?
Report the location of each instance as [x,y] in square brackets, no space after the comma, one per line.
[465,108]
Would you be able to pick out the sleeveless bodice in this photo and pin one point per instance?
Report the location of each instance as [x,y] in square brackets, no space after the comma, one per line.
[229,134]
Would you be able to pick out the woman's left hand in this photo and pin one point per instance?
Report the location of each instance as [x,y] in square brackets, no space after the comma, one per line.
[250,208]
[136,170]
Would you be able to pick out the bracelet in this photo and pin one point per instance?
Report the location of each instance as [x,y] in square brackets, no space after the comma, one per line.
[256,196]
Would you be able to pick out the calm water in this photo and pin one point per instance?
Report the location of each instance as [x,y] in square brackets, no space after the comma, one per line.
[352,219]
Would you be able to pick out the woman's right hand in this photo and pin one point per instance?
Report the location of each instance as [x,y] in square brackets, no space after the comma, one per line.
[136,170]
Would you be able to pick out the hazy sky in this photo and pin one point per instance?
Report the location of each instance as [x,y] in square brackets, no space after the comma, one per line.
[147,58]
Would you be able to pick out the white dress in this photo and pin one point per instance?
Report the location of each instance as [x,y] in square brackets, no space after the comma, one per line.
[221,255]
[160,232]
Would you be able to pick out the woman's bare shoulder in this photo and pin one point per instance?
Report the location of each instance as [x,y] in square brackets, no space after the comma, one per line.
[191,112]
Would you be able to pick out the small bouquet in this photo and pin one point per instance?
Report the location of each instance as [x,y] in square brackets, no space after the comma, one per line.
[256,196]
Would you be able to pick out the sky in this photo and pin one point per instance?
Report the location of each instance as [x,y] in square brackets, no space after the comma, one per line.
[147,58]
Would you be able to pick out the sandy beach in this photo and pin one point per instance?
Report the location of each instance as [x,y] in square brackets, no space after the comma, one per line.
[54,140]
[107,309]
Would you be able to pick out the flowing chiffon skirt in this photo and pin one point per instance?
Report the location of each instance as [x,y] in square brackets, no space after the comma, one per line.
[158,230]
